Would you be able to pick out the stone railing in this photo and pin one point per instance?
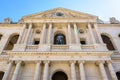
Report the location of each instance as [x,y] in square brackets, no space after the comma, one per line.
[32,47]
[60,47]
[87,47]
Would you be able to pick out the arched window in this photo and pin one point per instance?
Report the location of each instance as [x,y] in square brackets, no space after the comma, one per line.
[1,75]
[118,75]
[12,41]
[108,42]
[59,76]
[119,35]
[59,39]
[0,36]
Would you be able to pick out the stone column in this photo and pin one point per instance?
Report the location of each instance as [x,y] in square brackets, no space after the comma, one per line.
[69,33]
[81,69]
[50,33]
[27,36]
[111,70]
[21,34]
[76,34]
[73,72]
[98,33]
[46,70]
[16,72]
[37,72]
[6,75]
[43,34]
[91,34]
[102,70]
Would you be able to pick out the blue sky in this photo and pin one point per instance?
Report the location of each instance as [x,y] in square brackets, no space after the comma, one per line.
[15,9]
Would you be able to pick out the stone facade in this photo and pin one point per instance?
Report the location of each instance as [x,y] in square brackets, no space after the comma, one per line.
[31,49]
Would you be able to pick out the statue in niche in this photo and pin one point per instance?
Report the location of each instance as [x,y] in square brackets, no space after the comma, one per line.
[60,39]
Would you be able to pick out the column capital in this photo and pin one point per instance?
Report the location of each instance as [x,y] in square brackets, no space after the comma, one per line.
[72,61]
[82,61]
[38,61]
[100,61]
[46,62]
[108,61]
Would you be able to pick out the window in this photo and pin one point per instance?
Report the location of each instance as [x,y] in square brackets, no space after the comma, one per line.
[82,41]
[118,75]
[0,36]
[36,41]
[59,39]
[108,42]
[1,75]
[119,35]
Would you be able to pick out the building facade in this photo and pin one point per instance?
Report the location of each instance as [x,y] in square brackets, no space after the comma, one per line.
[60,44]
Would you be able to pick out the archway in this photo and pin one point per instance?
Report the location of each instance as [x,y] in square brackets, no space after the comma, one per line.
[0,36]
[118,75]
[11,42]
[108,42]
[60,39]
[59,76]
[1,75]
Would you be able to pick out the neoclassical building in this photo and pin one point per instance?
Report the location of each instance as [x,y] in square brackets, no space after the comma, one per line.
[60,44]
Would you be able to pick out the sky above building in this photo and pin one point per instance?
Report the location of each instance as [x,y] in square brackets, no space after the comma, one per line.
[16,9]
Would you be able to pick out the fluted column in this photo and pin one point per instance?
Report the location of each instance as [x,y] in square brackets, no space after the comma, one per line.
[81,69]
[111,70]
[102,70]
[16,72]
[27,36]
[46,70]
[37,72]
[76,34]
[21,34]
[91,34]
[50,33]
[43,34]
[69,33]
[73,71]
[98,34]
[6,75]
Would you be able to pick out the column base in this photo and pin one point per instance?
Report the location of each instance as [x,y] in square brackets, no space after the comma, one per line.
[44,47]
[19,47]
[74,47]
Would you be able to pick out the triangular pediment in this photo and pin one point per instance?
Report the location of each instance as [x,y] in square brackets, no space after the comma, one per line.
[60,13]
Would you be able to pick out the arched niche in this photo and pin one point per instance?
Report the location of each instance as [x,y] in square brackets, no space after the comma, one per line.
[59,75]
[1,75]
[11,41]
[1,36]
[59,38]
[118,75]
[107,40]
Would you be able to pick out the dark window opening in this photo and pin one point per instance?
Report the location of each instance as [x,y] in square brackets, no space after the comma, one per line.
[59,76]
[119,35]
[0,36]
[36,42]
[118,75]
[108,42]
[59,39]
[1,75]
[83,42]
[12,41]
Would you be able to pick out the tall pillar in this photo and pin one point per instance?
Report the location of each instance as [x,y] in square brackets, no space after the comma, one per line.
[98,34]
[91,34]
[46,70]
[50,33]
[76,34]
[16,72]
[37,72]
[73,72]
[69,33]
[21,34]
[102,70]
[6,75]
[81,69]
[27,36]
[111,70]
[43,34]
